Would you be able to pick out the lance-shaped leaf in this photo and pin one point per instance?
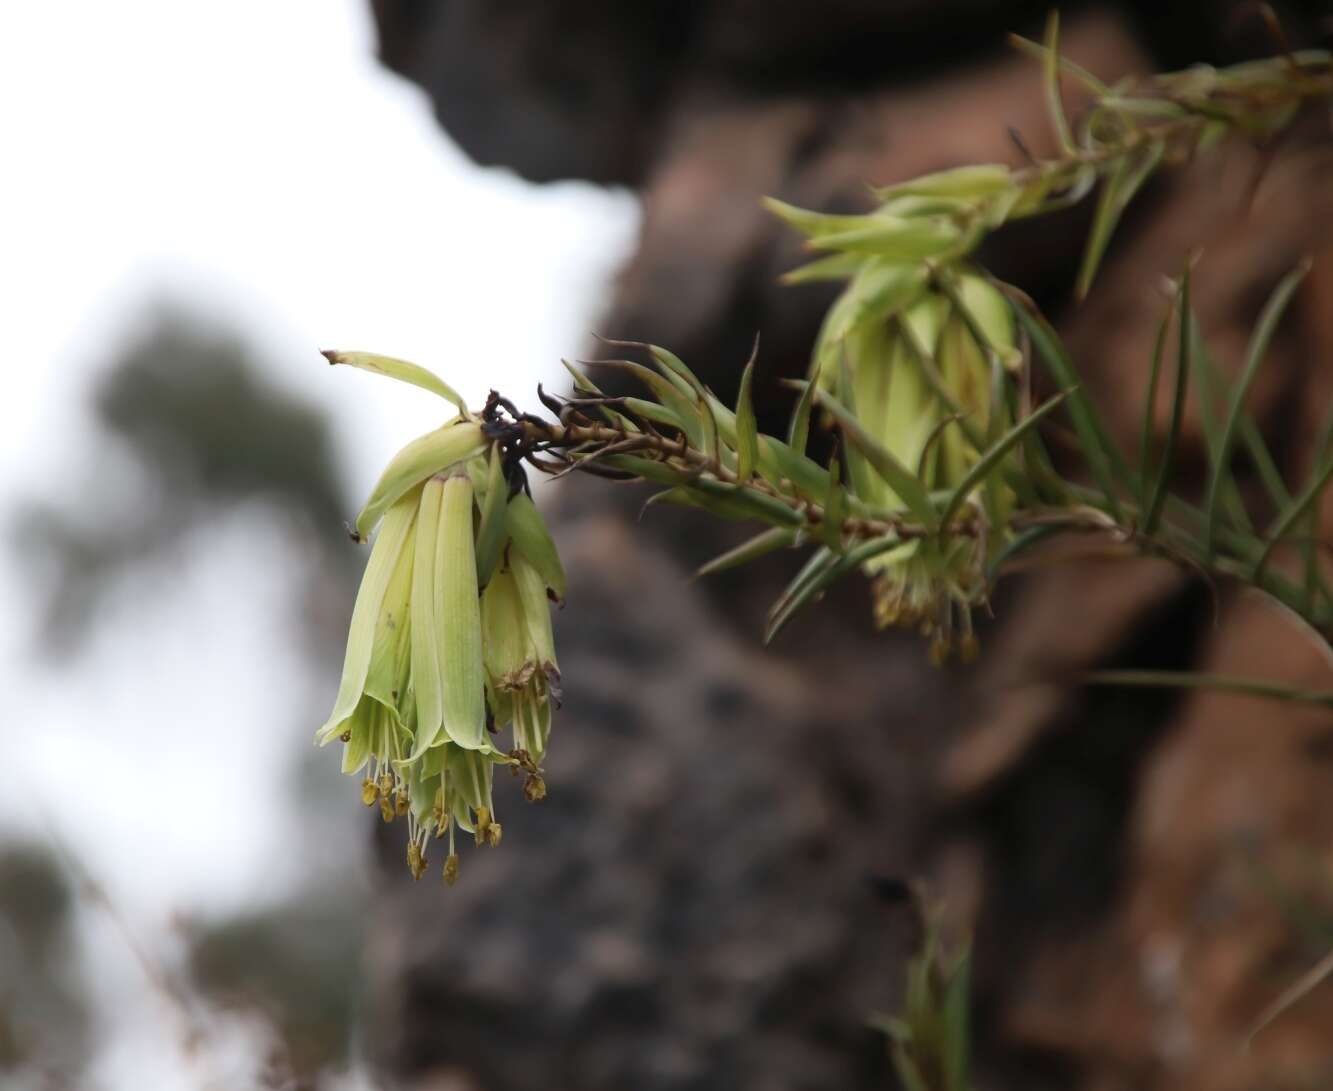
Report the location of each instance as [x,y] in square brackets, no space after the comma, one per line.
[833,267]
[1055,104]
[988,316]
[585,385]
[897,476]
[798,433]
[1258,349]
[989,461]
[401,370]
[650,469]
[1300,505]
[739,502]
[670,395]
[822,569]
[747,429]
[835,507]
[394,537]
[674,368]
[813,224]
[1126,179]
[491,529]
[776,461]
[527,530]
[761,544]
[1103,459]
[896,238]
[977,180]
[430,454]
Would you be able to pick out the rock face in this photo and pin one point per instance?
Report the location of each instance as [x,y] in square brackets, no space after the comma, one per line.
[693,905]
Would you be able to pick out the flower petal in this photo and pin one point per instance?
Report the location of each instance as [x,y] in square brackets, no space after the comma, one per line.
[365,615]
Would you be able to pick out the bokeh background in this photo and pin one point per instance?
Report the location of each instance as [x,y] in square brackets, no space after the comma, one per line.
[197,197]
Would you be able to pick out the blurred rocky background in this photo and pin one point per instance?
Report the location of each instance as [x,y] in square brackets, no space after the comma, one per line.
[695,905]
[709,897]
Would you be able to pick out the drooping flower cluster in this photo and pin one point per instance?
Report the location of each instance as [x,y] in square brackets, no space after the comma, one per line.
[921,348]
[450,640]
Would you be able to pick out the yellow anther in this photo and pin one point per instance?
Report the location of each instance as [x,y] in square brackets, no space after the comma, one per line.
[369,792]
[416,860]
[969,647]
[451,869]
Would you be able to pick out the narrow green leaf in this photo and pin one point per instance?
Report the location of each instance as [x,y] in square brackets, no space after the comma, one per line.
[669,394]
[1258,349]
[822,569]
[957,1037]
[1212,390]
[813,224]
[1070,68]
[835,505]
[401,370]
[1103,459]
[896,238]
[739,502]
[747,429]
[586,386]
[1126,179]
[991,457]
[1298,507]
[673,367]
[491,528]
[1149,423]
[1183,353]
[832,267]
[798,434]
[1055,104]
[650,469]
[898,477]
[1225,683]
[653,411]
[711,445]
[1306,983]
[765,542]
[974,180]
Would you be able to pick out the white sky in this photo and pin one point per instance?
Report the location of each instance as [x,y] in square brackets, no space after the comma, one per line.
[250,160]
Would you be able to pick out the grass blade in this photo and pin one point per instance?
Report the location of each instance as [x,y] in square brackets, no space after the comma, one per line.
[1258,349]
[1154,507]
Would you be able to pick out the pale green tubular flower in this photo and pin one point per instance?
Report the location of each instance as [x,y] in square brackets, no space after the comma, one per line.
[926,346]
[412,706]
[522,675]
